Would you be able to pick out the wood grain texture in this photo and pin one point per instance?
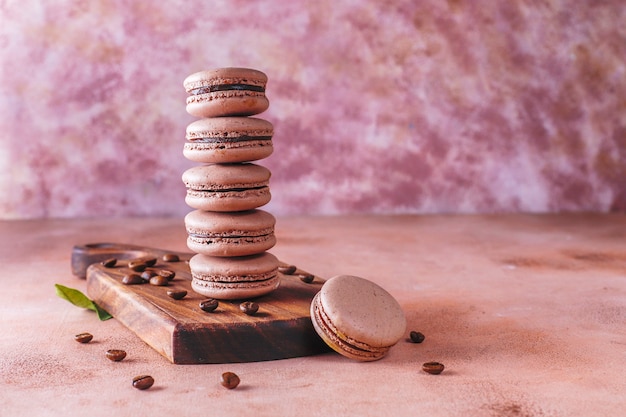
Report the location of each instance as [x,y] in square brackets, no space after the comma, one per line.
[85,255]
[184,334]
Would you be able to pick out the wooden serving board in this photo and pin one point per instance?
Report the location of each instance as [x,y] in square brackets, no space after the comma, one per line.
[185,334]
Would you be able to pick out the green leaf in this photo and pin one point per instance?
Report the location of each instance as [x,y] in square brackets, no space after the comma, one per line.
[102,314]
[74,296]
[79,299]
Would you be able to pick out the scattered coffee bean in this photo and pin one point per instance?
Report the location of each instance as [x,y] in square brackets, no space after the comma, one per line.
[209,305]
[249,307]
[167,274]
[150,261]
[171,257]
[307,278]
[229,380]
[83,337]
[434,368]
[143,382]
[416,337]
[115,355]
[177,294]
[137,266]
[287,270]
[109,263]
[132,279]
[159,281]
[146,275]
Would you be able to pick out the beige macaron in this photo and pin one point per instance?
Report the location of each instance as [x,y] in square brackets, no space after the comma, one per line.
[357,318]
[230,233]
[234,278]
[226,92]
[227,187]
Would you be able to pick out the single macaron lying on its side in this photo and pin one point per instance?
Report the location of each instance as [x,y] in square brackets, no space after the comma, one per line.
[357,318]
[227,187]
[226,92]
[228,139]
[234,278]
[237,233]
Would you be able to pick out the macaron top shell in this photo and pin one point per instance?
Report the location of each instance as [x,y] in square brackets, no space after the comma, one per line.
[363,311]
[225,76]
[234,269]
[239,223]
[217,177]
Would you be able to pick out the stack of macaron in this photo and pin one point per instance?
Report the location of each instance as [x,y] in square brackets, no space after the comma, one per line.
[227,231]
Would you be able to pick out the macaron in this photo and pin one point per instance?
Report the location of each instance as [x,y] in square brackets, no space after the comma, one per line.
[227,187]
[237,233]
[228,139]
[234,278]
[226,92]
[357,318]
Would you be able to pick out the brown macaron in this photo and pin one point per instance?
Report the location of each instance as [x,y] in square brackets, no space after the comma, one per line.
[227,187]
[226,92]
[230,234]
[228,139]
[234,278]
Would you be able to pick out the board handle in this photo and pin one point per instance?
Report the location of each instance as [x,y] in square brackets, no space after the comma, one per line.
[85,255]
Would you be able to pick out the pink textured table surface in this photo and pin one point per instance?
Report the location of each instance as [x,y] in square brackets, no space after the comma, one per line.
[527,313]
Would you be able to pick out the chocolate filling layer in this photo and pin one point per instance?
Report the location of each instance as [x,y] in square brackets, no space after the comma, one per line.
[230,139]
[218,236]
[230,190]
[226,87]
[260,279]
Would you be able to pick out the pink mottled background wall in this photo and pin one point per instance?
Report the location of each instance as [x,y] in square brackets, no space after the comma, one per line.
[408,106]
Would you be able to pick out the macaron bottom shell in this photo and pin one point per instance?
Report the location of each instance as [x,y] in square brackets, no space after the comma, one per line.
[227,103]
[234,290]
[209,153]
[225,201]
[230,246]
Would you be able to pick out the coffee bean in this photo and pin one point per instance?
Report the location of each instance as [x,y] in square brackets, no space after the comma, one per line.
[416,337]
[132,279]
[229,380]
[137,266]
[115,355]
[109,263]
[167,274]
[287,270]
[159,281]
[249,307]
[171,257]
[146,275]
[143,382]
[434,368]
[150,261]
[307,278]
[83,337]
[209,305]
[177,294]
